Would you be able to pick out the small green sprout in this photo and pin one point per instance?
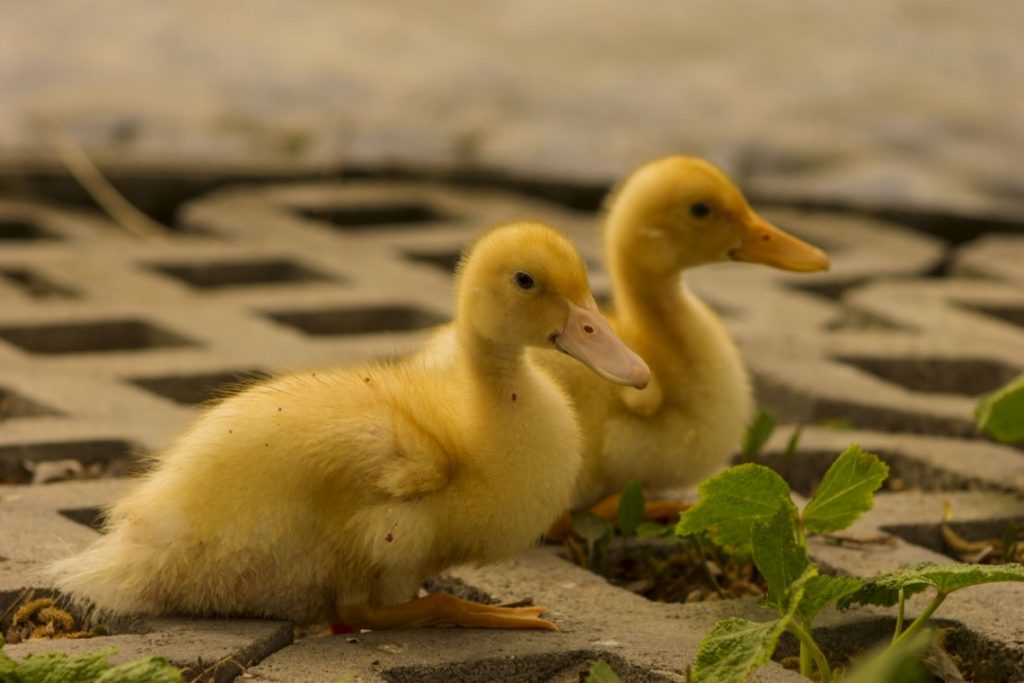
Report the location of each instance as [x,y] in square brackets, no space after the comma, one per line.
[631,508]
[595,531]
[601,672]
[757,435]
[748,510]
[1001,413]
[88,668]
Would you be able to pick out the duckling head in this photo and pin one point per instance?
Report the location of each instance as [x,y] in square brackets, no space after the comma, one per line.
[524,284]
[678,212]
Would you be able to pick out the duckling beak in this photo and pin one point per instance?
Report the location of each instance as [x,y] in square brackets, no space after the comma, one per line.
[762,242]
[589,338]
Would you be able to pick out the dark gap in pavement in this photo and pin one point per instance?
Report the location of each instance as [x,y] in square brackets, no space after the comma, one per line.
[107,457]
[17,230]
[36,285]
[358,215]
[85,337]
[160,194]
[965,376]
[930,536]
[220,274]
[805,469]
[1011,314]
[92,517]
[358,319]
[14,405]
[199,388]
[980,660]
[953,227]
[530,668]
[446,260]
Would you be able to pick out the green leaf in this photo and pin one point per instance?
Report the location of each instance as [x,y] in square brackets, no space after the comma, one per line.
[735,647]
[631,507]
[846,491]
[148,670]
[758,433]
[7,665]
[779,555]
[592,529]
[654,530]
[601,672]
[899,663]
[730,502]
[885,589]
[1010,541]
[1001,413]
[794,441]
[821,591]
[57,666]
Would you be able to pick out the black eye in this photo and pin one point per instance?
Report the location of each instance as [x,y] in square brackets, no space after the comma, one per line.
[524,280]
[699,210]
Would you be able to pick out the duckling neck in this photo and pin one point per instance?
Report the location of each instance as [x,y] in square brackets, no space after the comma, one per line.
[646,297]
[491,366]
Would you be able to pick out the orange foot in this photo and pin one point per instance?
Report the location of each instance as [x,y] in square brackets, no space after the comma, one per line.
[441,609]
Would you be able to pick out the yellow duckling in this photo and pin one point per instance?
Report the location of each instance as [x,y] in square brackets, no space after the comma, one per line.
[331,496]
[669,215]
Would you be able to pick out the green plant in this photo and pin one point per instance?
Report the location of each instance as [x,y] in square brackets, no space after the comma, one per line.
[757,434]
[631,509]
[597,532]
[1001,413]
[670,569]
[88,668]
[601,672]
[748,510]
[760,430]
[893,663]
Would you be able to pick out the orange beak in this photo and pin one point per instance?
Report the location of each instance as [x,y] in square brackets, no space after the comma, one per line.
[764,243]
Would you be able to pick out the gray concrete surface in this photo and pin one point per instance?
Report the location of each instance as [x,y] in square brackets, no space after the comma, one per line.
[849,125]
[252,281]
[912,103]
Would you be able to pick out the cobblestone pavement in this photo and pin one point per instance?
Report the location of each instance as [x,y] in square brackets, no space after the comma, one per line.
[107,343]
[889,104]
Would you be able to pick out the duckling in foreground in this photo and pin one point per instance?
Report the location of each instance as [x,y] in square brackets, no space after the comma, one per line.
[331,496]
[671,214]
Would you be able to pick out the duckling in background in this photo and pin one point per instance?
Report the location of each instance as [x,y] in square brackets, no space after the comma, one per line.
[332,496]
[671,214]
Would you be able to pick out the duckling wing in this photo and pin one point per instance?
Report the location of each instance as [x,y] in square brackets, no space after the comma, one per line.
[416,465]
[644,402]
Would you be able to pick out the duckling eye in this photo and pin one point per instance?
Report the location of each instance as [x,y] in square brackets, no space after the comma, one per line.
[699,210]
[523,280]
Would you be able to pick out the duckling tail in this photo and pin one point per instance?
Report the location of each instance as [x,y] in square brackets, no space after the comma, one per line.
[106,576]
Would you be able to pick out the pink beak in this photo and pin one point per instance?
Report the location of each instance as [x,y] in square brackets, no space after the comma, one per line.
[589,338]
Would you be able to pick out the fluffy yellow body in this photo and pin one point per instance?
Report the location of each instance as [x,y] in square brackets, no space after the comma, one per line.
[321,495]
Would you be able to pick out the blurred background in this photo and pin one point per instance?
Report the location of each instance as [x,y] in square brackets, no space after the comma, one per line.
[895,105]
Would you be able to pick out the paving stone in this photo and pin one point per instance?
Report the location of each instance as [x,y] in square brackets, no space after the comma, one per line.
[994,256]
[268,277]
[908,104]
[205,650]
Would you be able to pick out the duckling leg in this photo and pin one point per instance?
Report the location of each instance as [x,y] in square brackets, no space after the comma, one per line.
[655,510]
[608,508]
[664,510]
[442,609]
